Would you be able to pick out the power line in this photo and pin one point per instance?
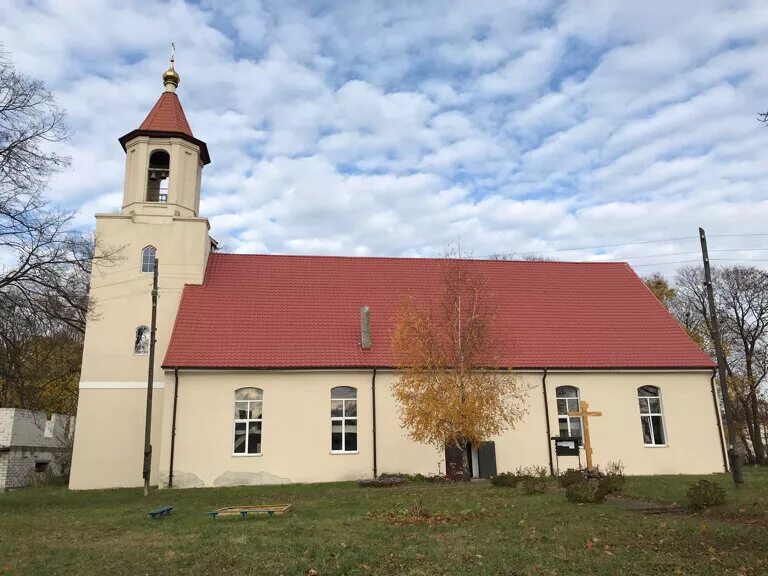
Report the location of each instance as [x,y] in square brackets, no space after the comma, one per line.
[689,261]
[679,239]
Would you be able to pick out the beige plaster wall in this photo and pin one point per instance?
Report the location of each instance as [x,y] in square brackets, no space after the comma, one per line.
[109,438]
[183,182]
[693,445]
[109,434]
[296,433]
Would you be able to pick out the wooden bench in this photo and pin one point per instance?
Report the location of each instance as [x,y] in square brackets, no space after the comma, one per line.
[160,512]
[269,510]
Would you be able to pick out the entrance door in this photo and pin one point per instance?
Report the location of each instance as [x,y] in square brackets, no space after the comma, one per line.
[486,458]
[454,467]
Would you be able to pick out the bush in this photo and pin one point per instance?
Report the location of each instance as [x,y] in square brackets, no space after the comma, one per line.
[506,479]
[570,476]
[410,478]
[533,484]
[586,491]
[704,494]
[381,482]
[614,479]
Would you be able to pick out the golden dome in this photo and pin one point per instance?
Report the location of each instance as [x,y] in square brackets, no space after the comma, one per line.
[170,76]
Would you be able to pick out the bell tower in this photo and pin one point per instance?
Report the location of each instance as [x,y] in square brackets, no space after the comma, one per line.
[163,159]
[159,219]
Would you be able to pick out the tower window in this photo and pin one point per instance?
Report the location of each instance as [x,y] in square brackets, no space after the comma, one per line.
[157,177]
[148,256]
[141,344]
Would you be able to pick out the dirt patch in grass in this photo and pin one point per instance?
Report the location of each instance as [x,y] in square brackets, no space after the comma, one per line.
[418,515]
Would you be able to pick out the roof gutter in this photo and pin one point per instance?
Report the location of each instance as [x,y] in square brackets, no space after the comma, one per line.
[173,425]
[546,418]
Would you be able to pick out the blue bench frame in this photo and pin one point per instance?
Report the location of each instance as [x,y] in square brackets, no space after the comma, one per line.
[160,512]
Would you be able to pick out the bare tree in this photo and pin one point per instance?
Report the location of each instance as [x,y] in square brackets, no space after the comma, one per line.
[741,295]
[522,256]
[44,283]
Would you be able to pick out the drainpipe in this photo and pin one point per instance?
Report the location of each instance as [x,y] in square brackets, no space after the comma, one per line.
[373,402]
[173,423]
[549,431]
[719,423]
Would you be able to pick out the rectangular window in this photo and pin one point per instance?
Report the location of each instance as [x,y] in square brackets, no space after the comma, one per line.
[343,419]
[568,425]
[248,421]
[651,417]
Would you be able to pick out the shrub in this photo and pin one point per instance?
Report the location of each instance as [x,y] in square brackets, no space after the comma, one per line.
[533,471]
[381,482]
[411,478]
[704,494]
[506,479]
[533,484]
[614,479]
[570,476]
[586,491]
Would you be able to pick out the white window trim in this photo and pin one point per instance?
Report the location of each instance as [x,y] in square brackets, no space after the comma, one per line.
[141,260]
[649,414]
[343,419]
[565,416]
[247,421]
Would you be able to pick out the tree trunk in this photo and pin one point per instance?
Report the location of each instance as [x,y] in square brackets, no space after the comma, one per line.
[466,475]
[748,456]
[757,439]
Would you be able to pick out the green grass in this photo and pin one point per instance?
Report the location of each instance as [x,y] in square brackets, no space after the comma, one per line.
[343,529]
[747,504]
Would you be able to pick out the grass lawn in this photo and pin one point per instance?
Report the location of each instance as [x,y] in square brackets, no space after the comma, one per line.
[342,529]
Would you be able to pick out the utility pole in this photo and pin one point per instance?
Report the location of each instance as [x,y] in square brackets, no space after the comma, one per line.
[150,378]
[732,456]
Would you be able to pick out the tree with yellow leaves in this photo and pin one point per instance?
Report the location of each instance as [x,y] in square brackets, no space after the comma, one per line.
[450,386]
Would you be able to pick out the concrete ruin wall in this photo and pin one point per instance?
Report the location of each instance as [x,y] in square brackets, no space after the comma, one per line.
[29,441]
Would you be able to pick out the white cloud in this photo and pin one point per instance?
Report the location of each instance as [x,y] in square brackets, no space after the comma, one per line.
[394,128]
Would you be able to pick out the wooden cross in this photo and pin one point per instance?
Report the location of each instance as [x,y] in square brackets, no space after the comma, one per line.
[584,413]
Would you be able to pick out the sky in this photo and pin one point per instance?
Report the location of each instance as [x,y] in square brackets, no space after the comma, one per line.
[584,130]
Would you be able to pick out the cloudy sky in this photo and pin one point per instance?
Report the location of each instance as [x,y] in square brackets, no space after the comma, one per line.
[399,128]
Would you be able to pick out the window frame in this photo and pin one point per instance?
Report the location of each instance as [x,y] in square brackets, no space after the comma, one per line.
[151,264]
[343,419]
[136,339]
[247,422]
[650,415]
[565,417]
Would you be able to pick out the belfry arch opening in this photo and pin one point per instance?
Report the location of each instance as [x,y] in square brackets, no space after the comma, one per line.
[157,176]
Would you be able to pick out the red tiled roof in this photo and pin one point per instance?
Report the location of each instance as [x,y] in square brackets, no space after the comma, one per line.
[304,311]
[167,115]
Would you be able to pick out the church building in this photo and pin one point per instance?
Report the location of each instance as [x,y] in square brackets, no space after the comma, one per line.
[276,369]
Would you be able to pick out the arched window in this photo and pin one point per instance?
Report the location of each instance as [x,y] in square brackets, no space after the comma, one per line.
[148,255]
[343,419]
[651,417]
[568,401]
[157,176]
[248,420]
[141,343]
